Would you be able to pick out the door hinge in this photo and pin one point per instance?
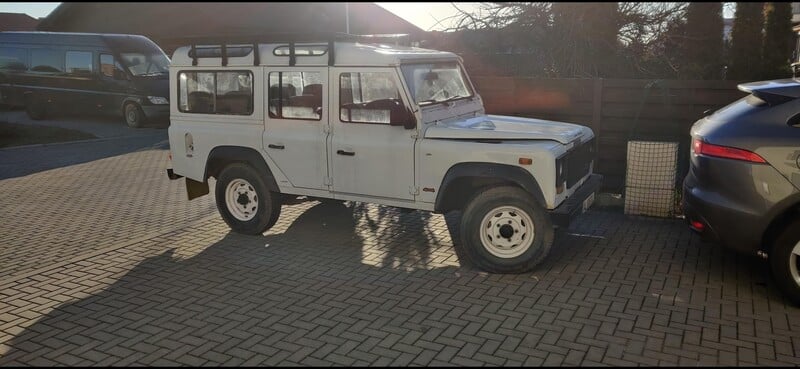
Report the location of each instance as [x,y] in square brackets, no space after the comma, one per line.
[328,181]
[414,190]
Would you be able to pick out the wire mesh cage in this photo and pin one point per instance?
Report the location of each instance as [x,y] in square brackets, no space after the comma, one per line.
[656,164]
[651,176]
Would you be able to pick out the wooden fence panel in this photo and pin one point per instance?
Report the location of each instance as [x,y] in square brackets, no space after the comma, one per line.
[617,110]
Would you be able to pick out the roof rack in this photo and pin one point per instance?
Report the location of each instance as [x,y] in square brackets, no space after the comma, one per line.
[291,39]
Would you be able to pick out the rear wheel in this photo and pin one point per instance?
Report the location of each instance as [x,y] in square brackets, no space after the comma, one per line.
[244,201]
[785,262]
[134,116]
[504,230]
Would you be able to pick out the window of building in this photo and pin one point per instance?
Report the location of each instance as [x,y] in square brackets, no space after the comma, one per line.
[369,97]
[295,95]
[215,92]
[13,59]
[47,61]
[79,62]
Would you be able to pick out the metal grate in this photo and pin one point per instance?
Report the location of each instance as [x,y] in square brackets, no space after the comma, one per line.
[650,178]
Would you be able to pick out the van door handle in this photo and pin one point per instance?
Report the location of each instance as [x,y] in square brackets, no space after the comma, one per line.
[346,153]
[279,147]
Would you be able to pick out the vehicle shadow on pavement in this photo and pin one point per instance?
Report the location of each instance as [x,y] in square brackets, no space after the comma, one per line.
[353,284]
[251,297]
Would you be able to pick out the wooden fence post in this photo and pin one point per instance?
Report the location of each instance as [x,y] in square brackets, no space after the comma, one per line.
[597,111]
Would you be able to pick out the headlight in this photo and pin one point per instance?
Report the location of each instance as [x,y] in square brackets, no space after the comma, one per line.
[158,100]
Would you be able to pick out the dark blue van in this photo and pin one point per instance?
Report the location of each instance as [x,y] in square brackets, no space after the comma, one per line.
[49,73]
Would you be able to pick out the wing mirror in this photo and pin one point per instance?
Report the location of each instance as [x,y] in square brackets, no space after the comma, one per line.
[794,120]
[404,118]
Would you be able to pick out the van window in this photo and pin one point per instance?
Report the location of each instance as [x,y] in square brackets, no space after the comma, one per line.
[79,62]
[13,59]
[295,95]
[110,67]
[370,97]
[48,61]
[142,64]
[212,92]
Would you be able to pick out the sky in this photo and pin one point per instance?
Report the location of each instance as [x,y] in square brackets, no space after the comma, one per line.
[428,16]
[422,15]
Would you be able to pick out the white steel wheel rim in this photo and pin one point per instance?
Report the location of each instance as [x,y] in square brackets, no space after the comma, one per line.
[507,232]
[793,263]
[241,199]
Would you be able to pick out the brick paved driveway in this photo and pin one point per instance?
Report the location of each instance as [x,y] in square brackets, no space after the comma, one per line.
[105,262]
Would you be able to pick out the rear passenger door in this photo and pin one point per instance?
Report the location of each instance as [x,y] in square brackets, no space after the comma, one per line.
[297,124]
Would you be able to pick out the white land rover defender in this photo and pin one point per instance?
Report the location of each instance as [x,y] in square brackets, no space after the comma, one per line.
[397,126]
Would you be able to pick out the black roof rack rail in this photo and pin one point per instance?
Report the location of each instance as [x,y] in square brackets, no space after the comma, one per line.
[282,37]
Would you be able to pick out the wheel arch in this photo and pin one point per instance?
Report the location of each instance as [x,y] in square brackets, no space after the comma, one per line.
[785,215]
[221,156]
[463,180]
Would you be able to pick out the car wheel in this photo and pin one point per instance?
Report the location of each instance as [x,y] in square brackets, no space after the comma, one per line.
[134,116]
[504,230]
[36,108]
[244,201]
[785,262]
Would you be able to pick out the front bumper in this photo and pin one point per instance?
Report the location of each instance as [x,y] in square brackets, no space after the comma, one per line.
[156,112]
[573,205]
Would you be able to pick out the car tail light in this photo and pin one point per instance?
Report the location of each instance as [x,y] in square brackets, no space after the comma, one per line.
[704,148]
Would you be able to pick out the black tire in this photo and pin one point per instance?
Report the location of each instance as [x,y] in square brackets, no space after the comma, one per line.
[492,199]
[134,116]
[780,262]
[269,205]
[36,108]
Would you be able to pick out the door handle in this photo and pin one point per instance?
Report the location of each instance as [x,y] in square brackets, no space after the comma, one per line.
[279,147]
[346,153]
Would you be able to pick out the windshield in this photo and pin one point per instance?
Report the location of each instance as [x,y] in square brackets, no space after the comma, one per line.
[436,82]
[142,64]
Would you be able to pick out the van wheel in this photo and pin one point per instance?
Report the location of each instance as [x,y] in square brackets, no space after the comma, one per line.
[504,230]
[785,262]
[244,201]
[36,108]
[134,116]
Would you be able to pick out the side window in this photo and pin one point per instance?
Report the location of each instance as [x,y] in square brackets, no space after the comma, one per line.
[295,95]
[13,59]
[368,97]
[214,92]
[79,63]
[110,67]
[48,61]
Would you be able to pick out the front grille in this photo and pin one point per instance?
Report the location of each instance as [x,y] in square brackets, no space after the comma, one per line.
[575,164]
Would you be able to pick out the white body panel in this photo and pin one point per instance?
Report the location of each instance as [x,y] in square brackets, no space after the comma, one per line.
[391,164]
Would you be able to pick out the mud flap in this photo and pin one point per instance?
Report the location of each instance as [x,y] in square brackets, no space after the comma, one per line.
[196,189]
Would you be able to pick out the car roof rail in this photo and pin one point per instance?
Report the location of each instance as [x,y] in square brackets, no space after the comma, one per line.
[226,41]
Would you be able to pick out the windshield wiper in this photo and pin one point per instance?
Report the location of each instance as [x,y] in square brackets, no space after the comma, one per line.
[153,74]
[434,101]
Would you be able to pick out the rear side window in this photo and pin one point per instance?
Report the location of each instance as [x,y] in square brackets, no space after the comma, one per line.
[79,63]
[214,92]
[295,95]
[13,59]
[47,61]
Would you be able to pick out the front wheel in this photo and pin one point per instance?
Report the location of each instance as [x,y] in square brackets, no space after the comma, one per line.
[504,230]
[785,262]
[134,116]
[244,201]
